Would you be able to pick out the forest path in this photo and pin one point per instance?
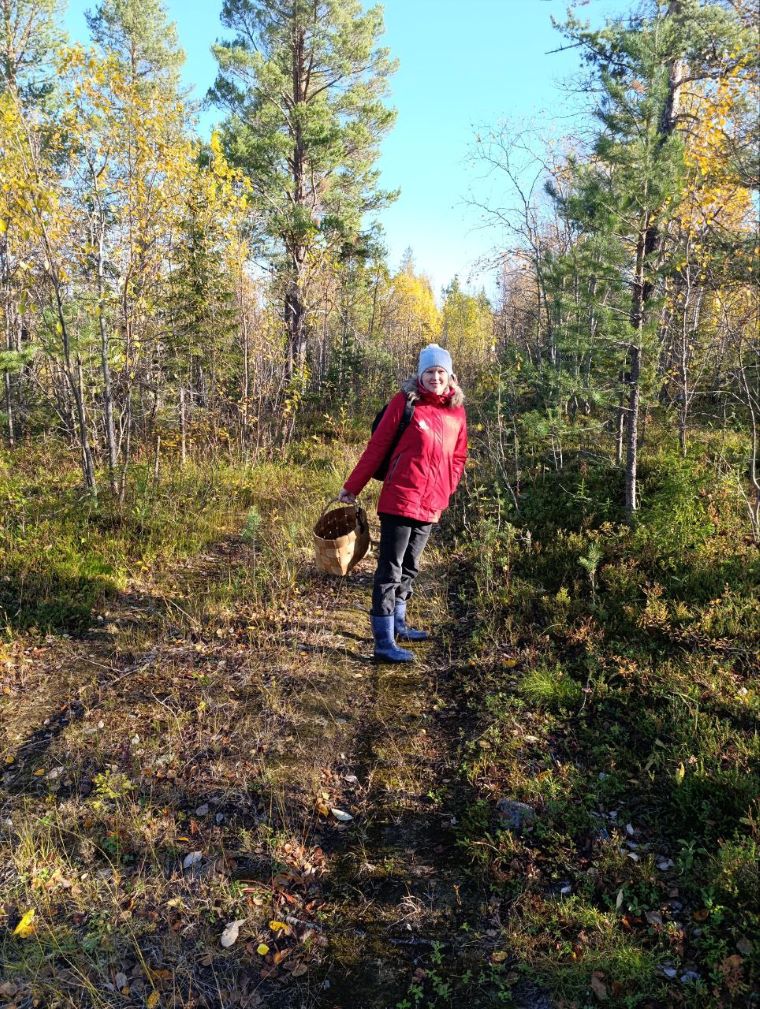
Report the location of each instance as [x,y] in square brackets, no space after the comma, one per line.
[189,755]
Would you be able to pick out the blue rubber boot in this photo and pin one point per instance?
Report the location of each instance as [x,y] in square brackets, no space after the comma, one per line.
[404,633]
[385,643]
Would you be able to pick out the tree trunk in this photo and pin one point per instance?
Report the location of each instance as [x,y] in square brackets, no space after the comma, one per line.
[88,465]
[295,323]
[13,343]
[638,304]
[620,430]
[9,411]
[105,366]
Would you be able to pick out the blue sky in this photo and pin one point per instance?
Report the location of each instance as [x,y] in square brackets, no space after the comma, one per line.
[464,65]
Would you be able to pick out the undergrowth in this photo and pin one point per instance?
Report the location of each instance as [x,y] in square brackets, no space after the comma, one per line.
[613,676]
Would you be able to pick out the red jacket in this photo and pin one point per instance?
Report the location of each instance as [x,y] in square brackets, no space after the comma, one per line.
[427,463]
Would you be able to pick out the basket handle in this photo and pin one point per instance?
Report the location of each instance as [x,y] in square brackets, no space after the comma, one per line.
[346,504]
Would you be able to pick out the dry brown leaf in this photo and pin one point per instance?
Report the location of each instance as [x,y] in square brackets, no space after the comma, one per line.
[598,986]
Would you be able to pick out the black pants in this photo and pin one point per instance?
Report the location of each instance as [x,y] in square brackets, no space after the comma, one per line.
[402,540]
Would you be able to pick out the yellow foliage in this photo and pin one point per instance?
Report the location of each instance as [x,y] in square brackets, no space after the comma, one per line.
[27,926]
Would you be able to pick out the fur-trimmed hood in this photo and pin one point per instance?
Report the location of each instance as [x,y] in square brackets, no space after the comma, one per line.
[411,388]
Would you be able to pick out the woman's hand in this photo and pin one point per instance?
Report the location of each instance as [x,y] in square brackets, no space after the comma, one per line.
[346,496]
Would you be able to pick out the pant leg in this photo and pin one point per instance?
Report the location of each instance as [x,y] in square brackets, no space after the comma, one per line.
[394,539]
[410,564]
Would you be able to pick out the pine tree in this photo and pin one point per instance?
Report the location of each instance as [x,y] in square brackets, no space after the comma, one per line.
[640,68]
[141,37]
[303,83]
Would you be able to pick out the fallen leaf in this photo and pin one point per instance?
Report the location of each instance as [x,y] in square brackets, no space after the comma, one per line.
[680,774]
[744,946]
[702,915]
[262,949]
[231,932]
[733,974]
[26,927]
[278,926]
[153,999]
[341,815]
[499,956]
[299,969]
[598,986]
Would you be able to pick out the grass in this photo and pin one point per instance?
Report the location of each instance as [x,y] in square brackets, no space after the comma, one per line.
[184,700]
[625,713]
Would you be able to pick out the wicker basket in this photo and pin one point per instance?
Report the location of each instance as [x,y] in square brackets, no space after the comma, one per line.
[341,538]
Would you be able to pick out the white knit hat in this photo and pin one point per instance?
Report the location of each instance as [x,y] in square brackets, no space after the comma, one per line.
[434,356]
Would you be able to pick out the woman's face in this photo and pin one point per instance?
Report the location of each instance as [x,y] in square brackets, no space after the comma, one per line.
[435,380]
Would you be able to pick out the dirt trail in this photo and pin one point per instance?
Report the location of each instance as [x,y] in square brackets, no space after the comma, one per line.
[240,734]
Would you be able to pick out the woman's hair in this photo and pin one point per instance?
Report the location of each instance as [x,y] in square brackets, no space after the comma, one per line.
[411,388]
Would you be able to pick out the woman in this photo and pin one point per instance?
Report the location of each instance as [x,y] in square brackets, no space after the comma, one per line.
[423,472]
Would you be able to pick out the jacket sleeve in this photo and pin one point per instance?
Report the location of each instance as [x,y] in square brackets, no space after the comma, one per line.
[460,453]
[377,447]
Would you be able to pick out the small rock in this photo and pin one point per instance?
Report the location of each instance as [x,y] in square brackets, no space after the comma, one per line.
[663,864]
[120,980]
[341,814]
[515,815]
[667,971]
[219,818]
[202,809]
[629,829]
[192,859]
[566,890]
[688,976]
